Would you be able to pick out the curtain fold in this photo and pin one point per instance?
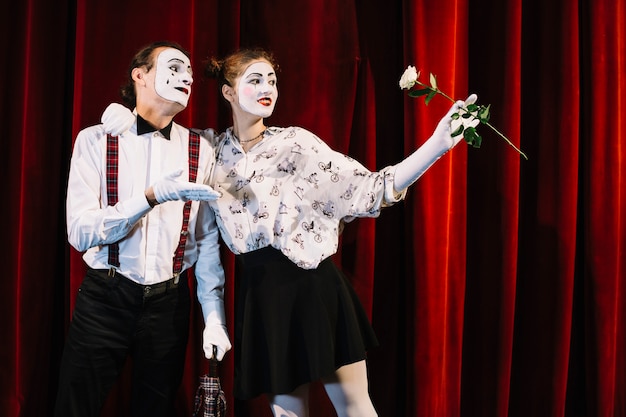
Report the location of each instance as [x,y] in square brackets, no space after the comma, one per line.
[496,289]
[493,211]
[33,172]
[605,190]
[543,311]
[436,41]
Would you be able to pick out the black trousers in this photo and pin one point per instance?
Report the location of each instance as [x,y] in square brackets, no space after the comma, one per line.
[116,318]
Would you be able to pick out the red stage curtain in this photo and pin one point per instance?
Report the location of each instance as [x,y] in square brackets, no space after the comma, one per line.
[496,288]
[604,191]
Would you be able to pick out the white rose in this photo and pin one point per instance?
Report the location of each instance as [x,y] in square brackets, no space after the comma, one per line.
[409,78]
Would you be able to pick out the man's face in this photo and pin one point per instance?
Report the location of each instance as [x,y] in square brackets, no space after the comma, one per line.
[173,77]
[257,89]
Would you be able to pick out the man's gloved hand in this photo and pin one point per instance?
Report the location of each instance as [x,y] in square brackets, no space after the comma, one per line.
[170,188]
[215,334]
[117,119]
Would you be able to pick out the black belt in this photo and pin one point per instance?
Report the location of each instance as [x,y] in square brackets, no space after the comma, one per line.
[148,290]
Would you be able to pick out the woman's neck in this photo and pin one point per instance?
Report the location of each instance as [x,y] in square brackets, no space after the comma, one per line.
[248,131]
[247,128]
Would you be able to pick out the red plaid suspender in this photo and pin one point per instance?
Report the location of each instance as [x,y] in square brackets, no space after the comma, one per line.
[112,157]
[112,198]
[194,151]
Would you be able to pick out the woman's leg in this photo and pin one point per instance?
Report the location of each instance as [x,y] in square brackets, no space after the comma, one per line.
[348,390]
[294,404]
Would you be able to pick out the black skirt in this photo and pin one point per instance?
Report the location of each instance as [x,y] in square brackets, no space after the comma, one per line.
[293,325]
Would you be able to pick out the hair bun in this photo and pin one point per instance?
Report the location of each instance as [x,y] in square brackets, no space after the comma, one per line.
[214,68]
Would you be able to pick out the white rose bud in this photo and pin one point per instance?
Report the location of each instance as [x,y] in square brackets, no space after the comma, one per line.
[409,78]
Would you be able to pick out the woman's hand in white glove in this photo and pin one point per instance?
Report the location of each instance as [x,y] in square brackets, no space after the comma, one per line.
[447,125]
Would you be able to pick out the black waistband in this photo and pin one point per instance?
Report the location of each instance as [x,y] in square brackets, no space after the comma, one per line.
[260,256]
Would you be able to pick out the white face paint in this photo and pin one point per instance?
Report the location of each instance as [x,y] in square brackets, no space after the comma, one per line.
[173,77]
[257,89]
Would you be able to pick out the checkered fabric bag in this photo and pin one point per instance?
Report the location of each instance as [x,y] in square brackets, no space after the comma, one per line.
[210,400]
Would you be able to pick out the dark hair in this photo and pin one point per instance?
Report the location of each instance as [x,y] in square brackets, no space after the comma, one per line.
[143,58]
[228,69]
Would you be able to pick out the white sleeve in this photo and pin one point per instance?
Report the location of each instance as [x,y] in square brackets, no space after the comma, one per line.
[414,165]
[209,271]
[90,222]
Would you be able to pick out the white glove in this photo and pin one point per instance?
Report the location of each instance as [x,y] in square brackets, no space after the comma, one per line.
[117,119]
[441,141]
[215,334]
[170,188]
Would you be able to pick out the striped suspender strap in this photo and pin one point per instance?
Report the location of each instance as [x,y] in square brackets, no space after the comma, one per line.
[111,177]
[194,151]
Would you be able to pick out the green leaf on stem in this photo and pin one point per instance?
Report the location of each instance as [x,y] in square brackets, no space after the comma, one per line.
[484,114]
[457,131]
[430,96]
[472,137]
[421,92]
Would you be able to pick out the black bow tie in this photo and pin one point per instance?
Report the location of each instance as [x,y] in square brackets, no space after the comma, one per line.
[144,127]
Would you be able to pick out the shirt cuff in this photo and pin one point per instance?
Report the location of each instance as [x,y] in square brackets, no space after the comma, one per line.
[391,195]
[213,312]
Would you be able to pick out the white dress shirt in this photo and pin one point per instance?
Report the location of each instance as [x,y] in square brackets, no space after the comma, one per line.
[148,237]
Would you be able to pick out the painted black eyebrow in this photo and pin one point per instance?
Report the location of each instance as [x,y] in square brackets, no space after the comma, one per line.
[258,74]
[179,61]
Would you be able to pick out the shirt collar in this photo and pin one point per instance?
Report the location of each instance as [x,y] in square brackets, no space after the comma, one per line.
[143,126]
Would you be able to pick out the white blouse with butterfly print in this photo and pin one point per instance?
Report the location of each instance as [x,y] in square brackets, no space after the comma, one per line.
[291,191]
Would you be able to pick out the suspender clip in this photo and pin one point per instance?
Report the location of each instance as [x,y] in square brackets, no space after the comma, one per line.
[111,272]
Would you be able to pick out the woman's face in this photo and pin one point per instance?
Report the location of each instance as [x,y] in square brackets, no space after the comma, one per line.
[257,89]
